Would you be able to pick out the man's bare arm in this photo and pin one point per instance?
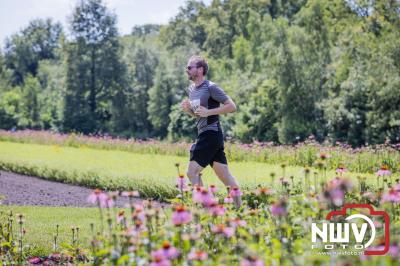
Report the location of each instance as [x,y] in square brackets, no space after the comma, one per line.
[227,107]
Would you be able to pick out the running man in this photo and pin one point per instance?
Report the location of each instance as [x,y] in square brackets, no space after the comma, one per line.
[204,103]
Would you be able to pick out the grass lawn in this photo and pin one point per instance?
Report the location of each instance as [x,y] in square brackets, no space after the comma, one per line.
[41,223]
[152,175]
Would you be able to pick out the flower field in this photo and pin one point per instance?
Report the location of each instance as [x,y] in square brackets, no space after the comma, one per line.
[201,225]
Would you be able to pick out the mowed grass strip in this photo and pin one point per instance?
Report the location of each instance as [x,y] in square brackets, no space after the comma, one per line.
[41,225]
[152,175]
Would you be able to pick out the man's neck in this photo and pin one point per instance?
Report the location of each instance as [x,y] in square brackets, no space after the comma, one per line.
[199,81]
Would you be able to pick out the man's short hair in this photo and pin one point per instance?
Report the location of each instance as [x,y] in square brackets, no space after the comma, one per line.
[200,62]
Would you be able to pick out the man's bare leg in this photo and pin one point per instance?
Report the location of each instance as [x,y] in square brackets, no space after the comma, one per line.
[193,172]
[222,171]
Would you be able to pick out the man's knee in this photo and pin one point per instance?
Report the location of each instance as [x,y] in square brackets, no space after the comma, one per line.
[192,173]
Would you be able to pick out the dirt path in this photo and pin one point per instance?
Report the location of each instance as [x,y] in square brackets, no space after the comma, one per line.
[28,190]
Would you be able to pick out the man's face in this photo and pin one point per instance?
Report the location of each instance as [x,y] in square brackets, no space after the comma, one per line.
[192,70]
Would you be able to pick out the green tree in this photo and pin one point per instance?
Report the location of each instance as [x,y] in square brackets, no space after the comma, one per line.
[23,50]
[95,73]
[51,75]
[181,125]
[30,104]
[161,99]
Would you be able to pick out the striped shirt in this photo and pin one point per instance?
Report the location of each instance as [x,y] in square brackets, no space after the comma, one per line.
[210,96]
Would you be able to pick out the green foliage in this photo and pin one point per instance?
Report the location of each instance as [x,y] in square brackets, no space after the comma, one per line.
[95,74]
[24,50]
[52,78]
[294,69]
[181,126]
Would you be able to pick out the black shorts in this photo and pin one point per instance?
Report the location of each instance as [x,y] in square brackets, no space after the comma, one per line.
[209,148]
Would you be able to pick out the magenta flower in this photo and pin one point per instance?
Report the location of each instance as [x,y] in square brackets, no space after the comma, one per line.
[101,198]
[181,216]
[392,196]
[35,260]
[204,197]
[196,194]
[138,207]
[337,196]
[235,192]
[237,222]
[394,251]
[223,230]
[217,210]
[181,182]
[167,251]
[279,208]
[121,216]
[159,260]
[251,261]
[213,189]
[197,255]
[228,199]
[384,170]
[341,169]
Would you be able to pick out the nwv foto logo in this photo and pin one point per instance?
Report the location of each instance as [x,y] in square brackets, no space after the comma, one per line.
[334,234]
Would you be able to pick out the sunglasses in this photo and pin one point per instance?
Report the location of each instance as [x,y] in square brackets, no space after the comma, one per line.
[190,67]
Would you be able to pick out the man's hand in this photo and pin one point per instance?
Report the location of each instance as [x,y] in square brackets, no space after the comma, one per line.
[202,111]
[185,104]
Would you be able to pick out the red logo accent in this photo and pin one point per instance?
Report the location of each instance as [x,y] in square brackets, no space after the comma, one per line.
[372,212]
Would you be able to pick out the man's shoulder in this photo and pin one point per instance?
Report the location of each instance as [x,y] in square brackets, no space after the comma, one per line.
[212,86]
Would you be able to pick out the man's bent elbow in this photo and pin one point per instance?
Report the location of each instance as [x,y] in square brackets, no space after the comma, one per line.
[233,108]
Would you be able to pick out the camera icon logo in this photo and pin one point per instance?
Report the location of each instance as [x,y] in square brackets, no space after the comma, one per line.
[335,233]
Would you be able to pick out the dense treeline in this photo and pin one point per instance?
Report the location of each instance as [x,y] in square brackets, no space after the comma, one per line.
[328,68]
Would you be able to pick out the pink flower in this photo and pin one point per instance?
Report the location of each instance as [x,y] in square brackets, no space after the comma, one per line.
[384,170]
[181,216]
[139,213]
[181,183]
[196,193]
[121,216]
[55,256]
[138,207]
[159,260]
[217,210]
[235,192]
[166,251]
[213,189]
[341,169]
[394,251]
[228,200]
[101,198]
[236,222]
[34,260]
[337,196]
[392,196]
[204,197]
[223,230]
[279,208]
[197,255]
[251,261]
